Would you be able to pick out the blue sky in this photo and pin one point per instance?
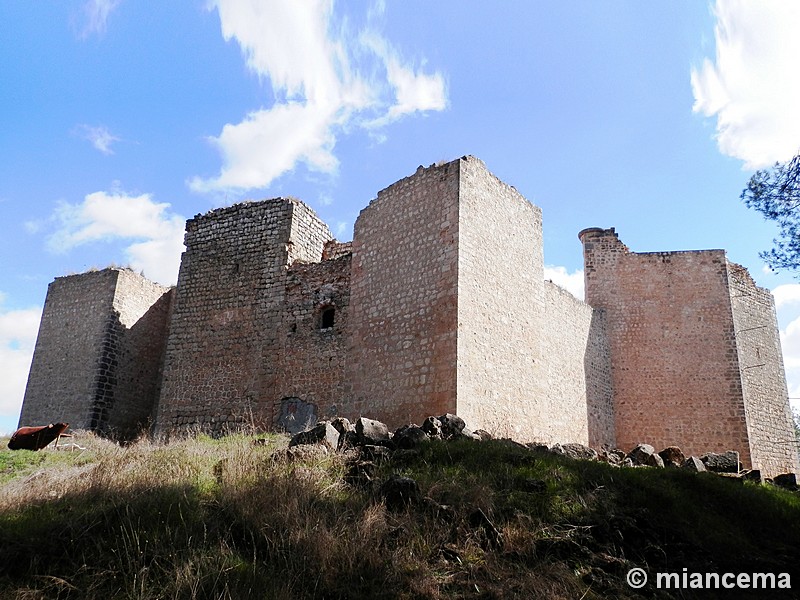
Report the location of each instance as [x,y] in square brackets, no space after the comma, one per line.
[121,119]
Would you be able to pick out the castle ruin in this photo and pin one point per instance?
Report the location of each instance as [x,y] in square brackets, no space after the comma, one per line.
[439,304]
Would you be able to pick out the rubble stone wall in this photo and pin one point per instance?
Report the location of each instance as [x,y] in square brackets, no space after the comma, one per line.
[501,369]
[142,311]
[62,379]
[222,359]
[438,305]
[314,341]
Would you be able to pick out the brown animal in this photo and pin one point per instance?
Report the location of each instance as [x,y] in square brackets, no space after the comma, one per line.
[36,438]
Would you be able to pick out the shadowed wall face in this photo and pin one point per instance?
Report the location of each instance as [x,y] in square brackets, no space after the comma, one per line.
[770,427]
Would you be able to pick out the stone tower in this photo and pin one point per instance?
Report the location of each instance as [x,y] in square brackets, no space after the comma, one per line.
[449,312]
[97,357]
[695,353]
[222,361]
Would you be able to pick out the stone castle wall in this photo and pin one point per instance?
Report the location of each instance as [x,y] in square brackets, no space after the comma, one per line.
[63,377]
[686,331]
[313,359]
[675,371]
[438,305]
[579,400]
[139,332]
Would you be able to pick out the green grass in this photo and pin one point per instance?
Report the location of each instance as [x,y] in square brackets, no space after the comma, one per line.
[206,518]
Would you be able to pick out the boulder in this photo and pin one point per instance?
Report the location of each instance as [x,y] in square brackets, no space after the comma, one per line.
[376,454]
[641,454]
[349,439]
[398,492]
[307,452]
[753,475]
[371,432]
[579,451]
[433,427]
[785,480]
[693,464]
[322,433]
[342,425]
[654,460]
[409,437]
[483,434]
[466,434]
[360,473]
[672,456]
[612,457]
[726,462]
[539,447]
[452,425]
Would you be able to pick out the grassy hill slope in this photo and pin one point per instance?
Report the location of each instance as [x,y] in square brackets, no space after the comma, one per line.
[230,518]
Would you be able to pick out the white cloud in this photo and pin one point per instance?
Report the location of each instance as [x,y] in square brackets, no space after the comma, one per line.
[100,137]
[18,331]
[572,282]
[96,13]
[786,294]
[157,235]
[414,91]
[790,344]
[316,67]
[751,86]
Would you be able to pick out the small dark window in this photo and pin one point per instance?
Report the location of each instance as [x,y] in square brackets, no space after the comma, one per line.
[327,317]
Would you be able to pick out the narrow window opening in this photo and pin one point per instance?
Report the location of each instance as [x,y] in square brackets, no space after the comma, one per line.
[327,318]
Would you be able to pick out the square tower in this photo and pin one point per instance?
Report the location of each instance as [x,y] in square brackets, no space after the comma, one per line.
[695,352]
[96,364]
[223,359]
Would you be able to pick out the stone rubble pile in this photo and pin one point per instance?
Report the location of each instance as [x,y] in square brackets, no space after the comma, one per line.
[373,442]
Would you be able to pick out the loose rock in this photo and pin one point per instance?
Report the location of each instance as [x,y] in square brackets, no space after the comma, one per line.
[693,464]
[322,433]
[433,427]
[370,431]
[786,480]
[399,492]
[726,462]
[409,437]
[641,454]
[672,456]
[579,451]
[452,425]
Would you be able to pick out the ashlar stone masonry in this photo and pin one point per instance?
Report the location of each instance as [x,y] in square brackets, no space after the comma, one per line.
[439,305]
